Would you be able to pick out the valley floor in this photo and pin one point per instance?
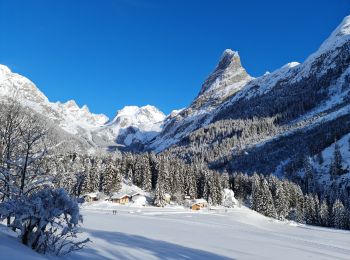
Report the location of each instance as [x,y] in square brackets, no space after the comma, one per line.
[177,233]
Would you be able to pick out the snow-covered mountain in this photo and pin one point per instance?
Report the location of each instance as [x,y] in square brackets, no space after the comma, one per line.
[296,97]
[68,116]
[272,122]
[132,126]
[319,84]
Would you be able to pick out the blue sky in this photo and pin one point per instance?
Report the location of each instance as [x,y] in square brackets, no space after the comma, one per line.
[112,53]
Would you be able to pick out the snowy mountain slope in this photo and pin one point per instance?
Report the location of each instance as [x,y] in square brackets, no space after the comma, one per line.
[316,87]
[65,121]
[295,111]
[322,163]
[302,96]
[131,126]
[69,116]
[174,233]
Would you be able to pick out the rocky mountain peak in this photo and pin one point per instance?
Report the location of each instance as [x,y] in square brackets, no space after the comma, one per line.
[228,77]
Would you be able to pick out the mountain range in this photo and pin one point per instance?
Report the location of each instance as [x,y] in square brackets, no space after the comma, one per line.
[274,120]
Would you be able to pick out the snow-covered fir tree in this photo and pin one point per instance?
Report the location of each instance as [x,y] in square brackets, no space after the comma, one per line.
[338,215]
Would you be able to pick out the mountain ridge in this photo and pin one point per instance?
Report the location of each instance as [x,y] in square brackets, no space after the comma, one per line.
[229,92]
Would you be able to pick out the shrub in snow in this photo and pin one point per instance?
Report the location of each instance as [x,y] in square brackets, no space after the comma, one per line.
[139,200]
[228,198]
[47,221]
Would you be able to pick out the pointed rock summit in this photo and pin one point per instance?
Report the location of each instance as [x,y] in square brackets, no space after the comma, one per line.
[228,77]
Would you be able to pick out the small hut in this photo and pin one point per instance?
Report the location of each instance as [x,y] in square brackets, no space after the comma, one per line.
[91,197]
[198,204]
[121,198]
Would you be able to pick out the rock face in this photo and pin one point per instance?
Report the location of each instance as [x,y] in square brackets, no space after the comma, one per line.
[228,77]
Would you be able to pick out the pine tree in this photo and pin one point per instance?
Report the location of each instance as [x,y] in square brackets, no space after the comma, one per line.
[309,178]
[240,187]
[146,177]
[190,182]
[159,196]
[262,201]
[317,207]
[225,180]
[256,193]
[217,189]
[336,164]
[310,210]
[207,186]
[324,214]
[268,205]
[338,215]
[113,177]
[101,171]
[281,202]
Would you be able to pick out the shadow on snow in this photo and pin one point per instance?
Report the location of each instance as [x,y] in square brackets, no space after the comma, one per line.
[156,248]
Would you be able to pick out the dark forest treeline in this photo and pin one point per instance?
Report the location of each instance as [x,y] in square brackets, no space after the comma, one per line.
[300,201]
[159,174]
[283,199]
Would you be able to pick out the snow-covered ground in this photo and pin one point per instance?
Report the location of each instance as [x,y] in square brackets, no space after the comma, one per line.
[10,247]
[178,233]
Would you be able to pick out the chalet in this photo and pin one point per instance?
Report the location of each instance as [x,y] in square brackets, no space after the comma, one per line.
[198,204]
[196,207]
[90,197]
[121,198]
